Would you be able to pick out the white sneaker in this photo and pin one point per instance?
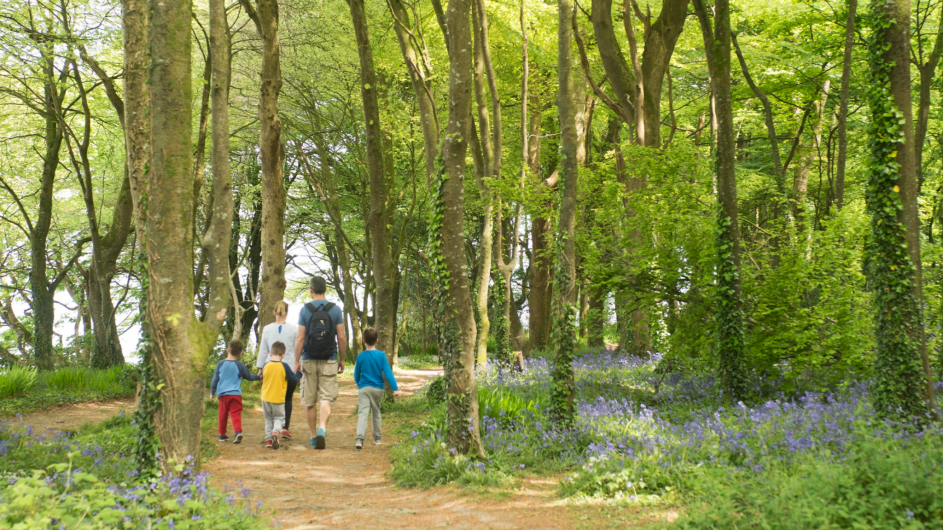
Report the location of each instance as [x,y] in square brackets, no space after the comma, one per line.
[358,445]
[377,442]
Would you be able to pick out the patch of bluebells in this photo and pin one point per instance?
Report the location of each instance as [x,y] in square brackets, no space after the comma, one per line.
[623,420]
[183,500]
[23,448]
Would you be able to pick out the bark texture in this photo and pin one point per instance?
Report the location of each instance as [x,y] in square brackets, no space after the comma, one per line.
[463,428]
[380,184]
[272,286]
[843,106]
[565,286]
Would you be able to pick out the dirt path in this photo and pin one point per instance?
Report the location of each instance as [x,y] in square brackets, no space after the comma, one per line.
[344,488]
[71,417]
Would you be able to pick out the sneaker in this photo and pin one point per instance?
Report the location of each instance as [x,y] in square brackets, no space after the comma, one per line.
[274,439]
[223,438]
[319,440]
[286,434]
[358,445]
[377,442]
[238,438]
[269,444]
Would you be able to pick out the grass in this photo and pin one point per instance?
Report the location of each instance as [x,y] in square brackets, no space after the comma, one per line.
[418,361]
[24,390]
[17,381]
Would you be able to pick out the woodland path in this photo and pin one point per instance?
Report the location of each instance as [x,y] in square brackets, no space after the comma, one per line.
[341,487]
[71,417]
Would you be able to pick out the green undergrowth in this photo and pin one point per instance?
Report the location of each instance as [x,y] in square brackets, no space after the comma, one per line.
[882,484]
[86,479]
[24,390]
[105,448]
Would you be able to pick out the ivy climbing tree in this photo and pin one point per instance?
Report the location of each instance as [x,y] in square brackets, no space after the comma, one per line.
[458,331]
[730,342]
[891,198]
[564,288]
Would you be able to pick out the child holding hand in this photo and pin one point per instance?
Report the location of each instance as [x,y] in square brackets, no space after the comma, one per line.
[227,386]
[275,378]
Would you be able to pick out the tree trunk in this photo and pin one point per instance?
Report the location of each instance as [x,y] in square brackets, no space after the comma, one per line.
[730,304]
[41,290]
[489,167]
[539,297]
[843,106]
[462,420]
[892,201]
[272,286]
[177,360]
[507,266]
[596,320]
[927,73]
[379,220]
[332,204]
[660,40]
[416,62]
[180,343]
[565,289]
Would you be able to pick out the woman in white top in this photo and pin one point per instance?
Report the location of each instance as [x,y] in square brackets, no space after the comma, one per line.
[280,331]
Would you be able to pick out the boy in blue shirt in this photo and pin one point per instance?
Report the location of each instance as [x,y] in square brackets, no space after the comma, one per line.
[227,385]
[369,373]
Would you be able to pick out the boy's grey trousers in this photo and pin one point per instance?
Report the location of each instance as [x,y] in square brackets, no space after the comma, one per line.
[274,418]
[368,402]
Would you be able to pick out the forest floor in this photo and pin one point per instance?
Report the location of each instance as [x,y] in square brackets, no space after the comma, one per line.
[340,486]
[304,489]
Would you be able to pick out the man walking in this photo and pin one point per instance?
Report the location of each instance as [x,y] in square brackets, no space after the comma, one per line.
[320,332]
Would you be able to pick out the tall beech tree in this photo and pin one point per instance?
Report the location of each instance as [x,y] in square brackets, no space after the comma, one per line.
[180,342]
[457,329]
[264,15]
[380,185]
[730,334]
[894,264]
[565,284]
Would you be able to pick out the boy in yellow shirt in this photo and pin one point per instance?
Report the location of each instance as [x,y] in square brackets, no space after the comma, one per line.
[275,377]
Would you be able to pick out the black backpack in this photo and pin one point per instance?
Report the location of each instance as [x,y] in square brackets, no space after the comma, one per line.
[320,333]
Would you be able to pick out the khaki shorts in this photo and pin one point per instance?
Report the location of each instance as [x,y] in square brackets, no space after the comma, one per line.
[318,382]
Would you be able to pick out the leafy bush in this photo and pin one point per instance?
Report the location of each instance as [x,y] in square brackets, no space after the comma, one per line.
[17,381]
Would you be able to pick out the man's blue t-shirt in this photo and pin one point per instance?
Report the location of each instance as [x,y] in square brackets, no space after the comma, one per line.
[337,317]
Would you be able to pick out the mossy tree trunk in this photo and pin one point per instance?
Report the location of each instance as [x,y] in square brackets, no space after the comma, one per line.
[272,285]
[565,286]
[457,327]
[180,342]
[729,313]
[902,388]
[380,185]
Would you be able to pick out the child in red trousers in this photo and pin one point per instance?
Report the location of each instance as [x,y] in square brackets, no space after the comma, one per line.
[227,385]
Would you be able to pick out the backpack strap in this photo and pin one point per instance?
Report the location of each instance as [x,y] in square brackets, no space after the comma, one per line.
[328,306]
